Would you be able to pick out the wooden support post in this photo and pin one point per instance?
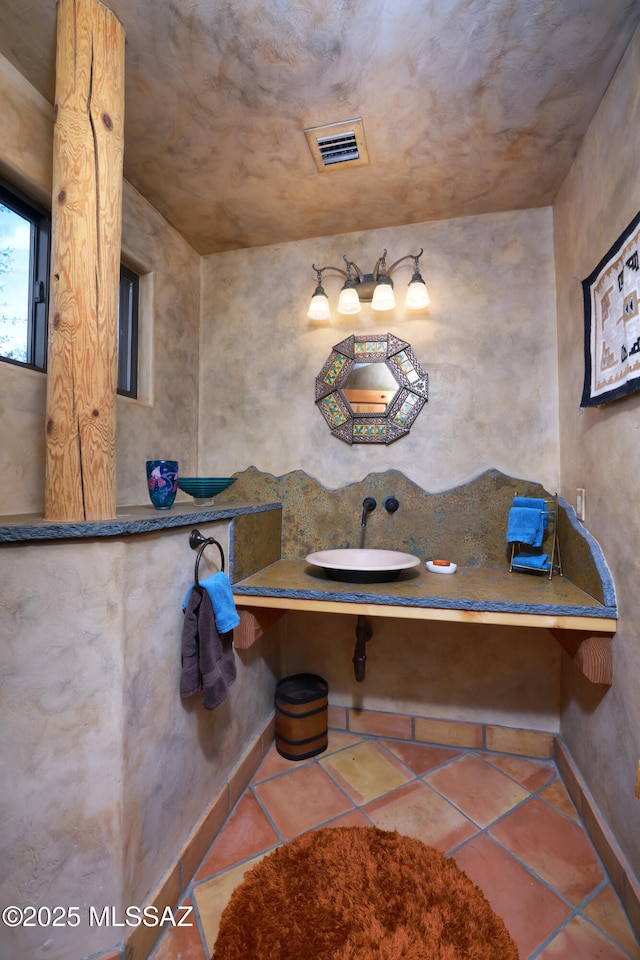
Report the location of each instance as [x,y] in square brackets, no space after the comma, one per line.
[253,624]
[85,263]
[591,653]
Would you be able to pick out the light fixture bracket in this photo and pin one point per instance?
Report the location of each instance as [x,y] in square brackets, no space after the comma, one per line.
[365,283]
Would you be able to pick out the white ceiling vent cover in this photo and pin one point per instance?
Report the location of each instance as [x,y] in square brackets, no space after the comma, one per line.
[336,145]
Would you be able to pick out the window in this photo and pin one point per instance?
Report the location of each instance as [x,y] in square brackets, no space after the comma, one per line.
[128,333]
[24,272]
[25,230]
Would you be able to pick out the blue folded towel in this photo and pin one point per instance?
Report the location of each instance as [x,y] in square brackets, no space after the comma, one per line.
[526,525]
[218,587]
[536,561]
[534,503]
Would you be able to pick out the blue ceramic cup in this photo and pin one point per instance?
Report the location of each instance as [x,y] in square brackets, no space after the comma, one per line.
[162,481]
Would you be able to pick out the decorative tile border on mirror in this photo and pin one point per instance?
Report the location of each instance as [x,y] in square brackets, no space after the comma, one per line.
[371,388]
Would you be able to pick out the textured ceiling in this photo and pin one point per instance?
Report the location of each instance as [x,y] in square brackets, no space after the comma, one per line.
[469,106]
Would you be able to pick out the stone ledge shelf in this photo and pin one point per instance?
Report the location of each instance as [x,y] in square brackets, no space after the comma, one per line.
[21,528]
[583,625]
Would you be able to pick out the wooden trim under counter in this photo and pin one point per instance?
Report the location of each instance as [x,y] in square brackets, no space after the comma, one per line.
[548,621]
[471,595]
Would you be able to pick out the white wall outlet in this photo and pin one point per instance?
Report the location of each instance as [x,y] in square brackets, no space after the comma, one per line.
[580,504]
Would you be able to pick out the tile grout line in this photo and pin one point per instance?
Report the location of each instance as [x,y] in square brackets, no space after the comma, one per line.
[577,913]
[575,910]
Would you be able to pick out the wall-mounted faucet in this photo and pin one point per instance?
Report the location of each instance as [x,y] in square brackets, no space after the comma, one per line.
[391,504]
[368,504]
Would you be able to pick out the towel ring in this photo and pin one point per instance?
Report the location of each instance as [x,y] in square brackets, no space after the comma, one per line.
[198,542]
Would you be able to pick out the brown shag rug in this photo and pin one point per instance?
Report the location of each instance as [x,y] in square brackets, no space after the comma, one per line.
[359,893]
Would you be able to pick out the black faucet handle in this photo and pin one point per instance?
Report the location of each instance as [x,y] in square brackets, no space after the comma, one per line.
[391,504]
[368,504]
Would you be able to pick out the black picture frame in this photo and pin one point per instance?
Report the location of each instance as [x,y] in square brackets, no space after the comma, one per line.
[611,309]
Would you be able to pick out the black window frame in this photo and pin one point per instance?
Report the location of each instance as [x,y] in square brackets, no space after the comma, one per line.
[40,221]
[128,310]
[39,273]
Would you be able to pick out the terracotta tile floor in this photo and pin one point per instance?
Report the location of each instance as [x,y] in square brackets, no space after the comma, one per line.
[507,821]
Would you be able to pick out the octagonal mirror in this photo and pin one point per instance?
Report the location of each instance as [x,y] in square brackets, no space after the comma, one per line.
[371,388]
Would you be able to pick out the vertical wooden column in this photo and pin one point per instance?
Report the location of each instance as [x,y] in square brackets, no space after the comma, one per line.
[85,263]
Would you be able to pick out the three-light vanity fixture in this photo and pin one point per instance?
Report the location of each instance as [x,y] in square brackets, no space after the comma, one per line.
[376,287]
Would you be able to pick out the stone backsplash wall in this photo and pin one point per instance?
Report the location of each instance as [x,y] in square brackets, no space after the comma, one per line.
[467,524]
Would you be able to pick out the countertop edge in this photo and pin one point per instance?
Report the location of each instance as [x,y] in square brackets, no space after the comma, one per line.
[129,521]
[432,602]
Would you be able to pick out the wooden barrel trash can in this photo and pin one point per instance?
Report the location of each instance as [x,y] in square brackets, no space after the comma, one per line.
[301,716]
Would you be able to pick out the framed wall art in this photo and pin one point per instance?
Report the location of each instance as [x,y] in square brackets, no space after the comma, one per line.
[612,322]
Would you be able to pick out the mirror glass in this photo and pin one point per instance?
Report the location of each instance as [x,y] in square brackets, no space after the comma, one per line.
[371,388]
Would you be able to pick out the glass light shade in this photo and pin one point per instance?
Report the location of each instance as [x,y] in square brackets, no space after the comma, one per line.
[319,306]
[417,297]
[383,298]
[349,301]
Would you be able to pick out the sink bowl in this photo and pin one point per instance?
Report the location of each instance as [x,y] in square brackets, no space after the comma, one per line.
[362,566]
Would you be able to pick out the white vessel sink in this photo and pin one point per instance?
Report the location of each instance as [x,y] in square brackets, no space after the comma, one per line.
[362,566]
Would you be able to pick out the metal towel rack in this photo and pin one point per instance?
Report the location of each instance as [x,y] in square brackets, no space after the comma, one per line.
[555,561]
[199,542]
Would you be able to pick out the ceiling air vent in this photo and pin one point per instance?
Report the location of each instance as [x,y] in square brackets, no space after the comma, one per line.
[335,145]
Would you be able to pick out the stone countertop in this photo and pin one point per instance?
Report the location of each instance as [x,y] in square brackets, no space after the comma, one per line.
[469,589]
[129,520]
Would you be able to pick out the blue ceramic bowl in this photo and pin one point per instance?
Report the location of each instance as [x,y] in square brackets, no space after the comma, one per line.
[204,489]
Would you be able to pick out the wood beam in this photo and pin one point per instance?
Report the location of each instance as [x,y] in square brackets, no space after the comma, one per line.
[562,622]
[85,263]
[253,624]
[591,653]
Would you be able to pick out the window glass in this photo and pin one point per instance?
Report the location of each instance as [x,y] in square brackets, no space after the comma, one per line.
[24,279]
[16,257]
[128,333]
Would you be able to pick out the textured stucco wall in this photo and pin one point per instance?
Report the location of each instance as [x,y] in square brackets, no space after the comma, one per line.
[26,144]
[600,450]
[105,769]
[177,755]
[61,662]
[163,422]
[481,674]
[488,343]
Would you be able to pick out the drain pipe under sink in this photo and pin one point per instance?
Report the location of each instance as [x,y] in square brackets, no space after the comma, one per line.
[363,634]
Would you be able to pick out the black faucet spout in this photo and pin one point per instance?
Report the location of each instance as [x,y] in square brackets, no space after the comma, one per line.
[368,504]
